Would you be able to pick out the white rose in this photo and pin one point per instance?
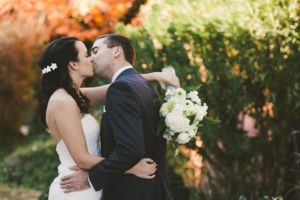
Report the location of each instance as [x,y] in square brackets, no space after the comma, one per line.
[183,138]
[193,95]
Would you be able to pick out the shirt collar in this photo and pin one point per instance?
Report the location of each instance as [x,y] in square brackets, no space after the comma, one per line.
[115,76]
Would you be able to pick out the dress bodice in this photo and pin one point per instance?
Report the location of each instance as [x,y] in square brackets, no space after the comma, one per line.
[91,131]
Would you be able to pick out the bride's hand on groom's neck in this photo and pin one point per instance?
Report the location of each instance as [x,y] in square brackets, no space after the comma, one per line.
[168,78]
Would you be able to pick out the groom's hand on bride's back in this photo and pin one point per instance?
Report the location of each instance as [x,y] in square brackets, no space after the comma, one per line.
[145,169]
[78,181]
[75,182]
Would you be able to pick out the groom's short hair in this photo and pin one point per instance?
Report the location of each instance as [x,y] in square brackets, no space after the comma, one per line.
[113,40]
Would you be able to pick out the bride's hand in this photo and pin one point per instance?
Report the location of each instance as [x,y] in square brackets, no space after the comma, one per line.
[145,168]
[167,78]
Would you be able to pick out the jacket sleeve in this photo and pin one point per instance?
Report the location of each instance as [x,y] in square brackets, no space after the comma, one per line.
[124,115]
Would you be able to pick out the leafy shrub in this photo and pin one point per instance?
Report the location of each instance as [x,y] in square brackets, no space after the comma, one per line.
[246,54]
[32,166]
[18,54]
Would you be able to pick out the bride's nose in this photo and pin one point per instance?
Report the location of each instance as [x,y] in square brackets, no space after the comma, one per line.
[91,59]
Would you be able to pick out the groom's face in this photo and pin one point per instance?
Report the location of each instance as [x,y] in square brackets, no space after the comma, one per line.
[101,57]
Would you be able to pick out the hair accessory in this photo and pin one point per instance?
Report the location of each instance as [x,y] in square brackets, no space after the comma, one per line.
[49,68]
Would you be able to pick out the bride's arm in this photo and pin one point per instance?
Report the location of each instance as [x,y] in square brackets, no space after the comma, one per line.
[68,122]
[95,94]
[163,78]
[98,94]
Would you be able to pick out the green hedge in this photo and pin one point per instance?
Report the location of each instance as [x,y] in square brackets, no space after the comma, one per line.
[249,51]
[32,166]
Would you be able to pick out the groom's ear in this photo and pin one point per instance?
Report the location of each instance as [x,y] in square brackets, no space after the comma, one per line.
[117,51]
[73,65]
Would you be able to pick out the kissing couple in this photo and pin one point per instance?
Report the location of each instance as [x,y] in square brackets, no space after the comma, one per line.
[131,163]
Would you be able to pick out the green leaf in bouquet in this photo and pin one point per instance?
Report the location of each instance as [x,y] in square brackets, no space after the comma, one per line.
[200,125]
[160,94]
[193,88]
[211,121]
[175,148]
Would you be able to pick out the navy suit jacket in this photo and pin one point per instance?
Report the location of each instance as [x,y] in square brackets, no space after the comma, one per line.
[128,134]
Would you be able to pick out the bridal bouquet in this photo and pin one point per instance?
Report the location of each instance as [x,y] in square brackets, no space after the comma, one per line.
[183,113]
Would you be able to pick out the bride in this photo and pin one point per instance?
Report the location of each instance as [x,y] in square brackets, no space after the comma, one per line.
[64,108]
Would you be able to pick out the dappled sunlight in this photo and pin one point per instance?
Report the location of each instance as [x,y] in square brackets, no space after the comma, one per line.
[193,174]
[247,124]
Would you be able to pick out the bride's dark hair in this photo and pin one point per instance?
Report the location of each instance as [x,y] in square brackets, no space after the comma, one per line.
[60,52]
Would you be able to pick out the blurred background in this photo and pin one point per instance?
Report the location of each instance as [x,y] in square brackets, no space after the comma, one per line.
[244,52]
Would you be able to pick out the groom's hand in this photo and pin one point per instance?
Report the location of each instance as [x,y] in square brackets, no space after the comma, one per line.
[75,182]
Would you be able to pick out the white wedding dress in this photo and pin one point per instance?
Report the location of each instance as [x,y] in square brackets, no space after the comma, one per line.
[91,132]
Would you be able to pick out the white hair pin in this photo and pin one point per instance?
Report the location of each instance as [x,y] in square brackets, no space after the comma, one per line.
[49,68]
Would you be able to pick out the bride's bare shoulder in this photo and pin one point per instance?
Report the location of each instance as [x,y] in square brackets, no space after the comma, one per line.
[60,103]
[61,98]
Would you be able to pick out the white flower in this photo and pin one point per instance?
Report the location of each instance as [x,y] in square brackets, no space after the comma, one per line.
[171,133]
[179,94]
[49,68]
[201,111]
[178,108]
[192,133]
[177,123]
[178,111]
[193,95]
[188,104]
[167,107]
[167,137]
[183,138]
[164,109]
[53,66]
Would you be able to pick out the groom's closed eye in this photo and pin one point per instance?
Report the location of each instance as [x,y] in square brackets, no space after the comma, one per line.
[94,50]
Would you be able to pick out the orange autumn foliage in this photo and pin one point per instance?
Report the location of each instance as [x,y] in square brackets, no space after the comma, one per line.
[26,25]
[18,73]
[85,19]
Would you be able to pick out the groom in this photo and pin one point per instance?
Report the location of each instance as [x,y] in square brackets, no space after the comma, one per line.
[128,128]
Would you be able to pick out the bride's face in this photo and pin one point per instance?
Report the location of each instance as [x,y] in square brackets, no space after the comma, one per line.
[85,67]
